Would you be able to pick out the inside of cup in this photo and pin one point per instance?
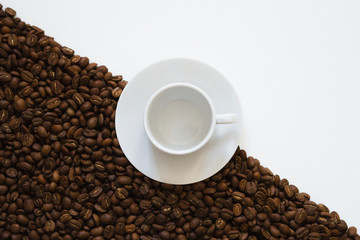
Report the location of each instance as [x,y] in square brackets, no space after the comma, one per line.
[179,118]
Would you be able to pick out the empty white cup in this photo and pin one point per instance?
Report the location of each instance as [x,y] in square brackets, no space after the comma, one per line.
[180,118]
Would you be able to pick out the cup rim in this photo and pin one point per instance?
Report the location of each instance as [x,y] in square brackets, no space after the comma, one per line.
[169,150]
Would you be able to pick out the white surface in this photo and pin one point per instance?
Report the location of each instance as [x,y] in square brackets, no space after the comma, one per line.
[294,64]
[176,169]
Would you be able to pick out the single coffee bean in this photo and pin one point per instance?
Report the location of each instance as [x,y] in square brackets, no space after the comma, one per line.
[124,180]
[53,103]
[27,76]
[4,115]
[96,100]
[78,98]
[11,172]
[42,132]
[220,223]
[49,226]
[53,59]
[56,87]
[250,213]
[11,12]
[5,77]
[302,232]
[116,92]
[121,193]
[237,209]
[12,40]
[130,228]
[300,215]
[74,224]
[67,51]
[96,192]
[19,104]
[92,122]
[83,197]
[109,231]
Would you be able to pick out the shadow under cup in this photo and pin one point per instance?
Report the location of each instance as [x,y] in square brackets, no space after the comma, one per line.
[179,118]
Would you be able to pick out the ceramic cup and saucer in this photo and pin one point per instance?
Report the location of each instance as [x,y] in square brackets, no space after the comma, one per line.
[178,121]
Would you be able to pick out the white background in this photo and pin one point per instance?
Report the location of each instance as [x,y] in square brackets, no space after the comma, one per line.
[294,64]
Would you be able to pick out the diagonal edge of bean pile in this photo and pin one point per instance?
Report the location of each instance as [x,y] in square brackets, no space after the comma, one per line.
[63,174]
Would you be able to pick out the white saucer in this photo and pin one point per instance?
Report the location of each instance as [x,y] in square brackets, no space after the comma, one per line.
[163,167]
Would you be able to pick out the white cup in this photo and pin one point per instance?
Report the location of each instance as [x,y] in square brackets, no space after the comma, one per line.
[180,118]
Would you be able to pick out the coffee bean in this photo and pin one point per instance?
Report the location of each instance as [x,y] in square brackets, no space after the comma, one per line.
[11,172]
[124,180]
[42,132]
[27,76]
[74,224]
[19,104]
[116,92]
[36,69]
[300,215]
[171,198]
[250,213]
[53,103]
[92,122]
[24,166]
[220,223]
[49,226]
[109,231]
[192,199]
[177,212]
[82,198]
[67,51]
[56,87]
[130,228]
[78,98]
[237,209]
[226,214]
[5,77]
[12,40]
[302,232]
[83,235]
[53,59]
[121,193]
[96,192]
[4,115]
[145,204]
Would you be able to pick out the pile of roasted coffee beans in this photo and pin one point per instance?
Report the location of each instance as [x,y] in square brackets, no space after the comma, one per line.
[64,176]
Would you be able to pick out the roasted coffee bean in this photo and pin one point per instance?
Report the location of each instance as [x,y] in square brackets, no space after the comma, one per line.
[96,192]
[121,193]
[5,77]
[27,76]
[56,87]
[78,98]
[4,115]
[74,224]
[250,213]
[19,104]
[116,92]
[237,209]
[53,59]
[220,223]
[83,197]
[53,103]
[63,174]
[300,215]
[49,226]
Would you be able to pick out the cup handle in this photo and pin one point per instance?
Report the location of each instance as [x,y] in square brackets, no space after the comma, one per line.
[226,118]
